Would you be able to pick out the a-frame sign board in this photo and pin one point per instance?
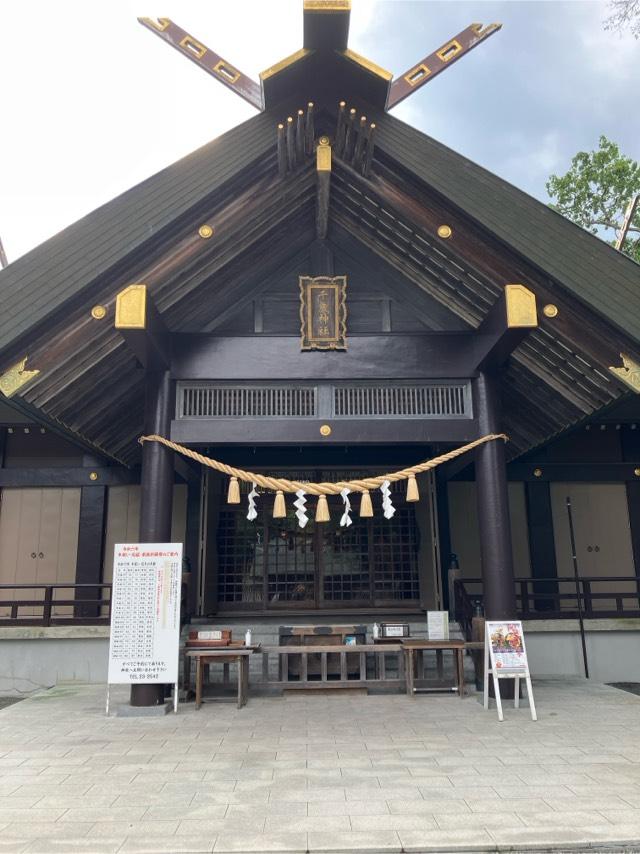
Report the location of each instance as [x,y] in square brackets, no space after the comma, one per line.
[505,657]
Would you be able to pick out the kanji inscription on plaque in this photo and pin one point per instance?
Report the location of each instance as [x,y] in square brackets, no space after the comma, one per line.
[323,313]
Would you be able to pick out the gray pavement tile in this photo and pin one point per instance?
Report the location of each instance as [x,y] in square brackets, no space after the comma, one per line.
[338,808]
[375,842]
[84,845]
[444,840]
[521,805]
[288,808]
[27,829]
[213,826]
[13,846]
[478,819]
[174,845]
[628,816]
[155,827]
[93,814]
[428,807]
[144,799]
[393,822]
[260,842]
[293,824]
[180,812]
[9,814]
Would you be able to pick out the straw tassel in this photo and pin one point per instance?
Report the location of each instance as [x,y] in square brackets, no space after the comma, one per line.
[322,509]
[413,493]
[233,496]
[366,508]
[279,507]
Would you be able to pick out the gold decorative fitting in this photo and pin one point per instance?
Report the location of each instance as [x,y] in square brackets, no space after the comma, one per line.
[159,24]
[324,140]
[449,50]
[327,5]
[550,310]
[367,64]
[285,63]
[417,74]
[325,430]
[521,307]
[98,312]
[193,47]
[537,472]
[636,472]
[16,377]
[93,475]
[226,72]
[205,231]
[323,157]
[131,307]
[444,231]
[629,373]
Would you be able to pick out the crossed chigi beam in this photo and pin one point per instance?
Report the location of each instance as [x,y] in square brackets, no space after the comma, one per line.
[326,27]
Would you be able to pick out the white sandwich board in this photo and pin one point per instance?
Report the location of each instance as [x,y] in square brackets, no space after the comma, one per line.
[505,657]
[145,615]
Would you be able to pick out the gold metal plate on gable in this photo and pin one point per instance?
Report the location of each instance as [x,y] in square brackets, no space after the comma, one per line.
[629,373]
[17,376]
[131,307]
[521,307]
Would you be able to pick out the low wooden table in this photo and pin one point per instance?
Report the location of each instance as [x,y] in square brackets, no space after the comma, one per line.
[205,657]
[410,646]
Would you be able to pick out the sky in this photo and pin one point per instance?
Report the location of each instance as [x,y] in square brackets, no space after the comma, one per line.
[92,102]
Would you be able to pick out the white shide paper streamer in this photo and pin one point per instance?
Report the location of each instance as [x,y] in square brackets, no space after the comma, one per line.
[251,515]
[345,520]
[300,504]
[387,507]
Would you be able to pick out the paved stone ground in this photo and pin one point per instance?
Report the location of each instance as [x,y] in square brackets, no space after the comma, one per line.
[322,773]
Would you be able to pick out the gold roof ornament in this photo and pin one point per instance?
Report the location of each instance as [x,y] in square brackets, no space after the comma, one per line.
[17,376]
[131,307]
[629,373]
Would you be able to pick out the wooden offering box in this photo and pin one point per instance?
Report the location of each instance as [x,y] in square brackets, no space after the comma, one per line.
[209,638]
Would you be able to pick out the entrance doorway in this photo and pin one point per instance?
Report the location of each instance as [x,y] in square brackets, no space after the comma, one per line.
[271,565]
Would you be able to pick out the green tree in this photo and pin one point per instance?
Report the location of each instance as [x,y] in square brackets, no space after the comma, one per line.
[595,193]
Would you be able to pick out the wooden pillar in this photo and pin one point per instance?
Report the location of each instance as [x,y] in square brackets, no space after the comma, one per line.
[156,489]
[493,506]
[542,548]
[90,555]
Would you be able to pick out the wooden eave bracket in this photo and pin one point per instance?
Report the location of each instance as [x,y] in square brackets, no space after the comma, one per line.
[207,59]
[142,327]
[511,318]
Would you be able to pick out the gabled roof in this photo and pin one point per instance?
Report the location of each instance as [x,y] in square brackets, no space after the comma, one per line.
[593,271]
[551,382]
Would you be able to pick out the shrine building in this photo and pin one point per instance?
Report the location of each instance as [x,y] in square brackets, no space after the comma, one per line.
[324,294]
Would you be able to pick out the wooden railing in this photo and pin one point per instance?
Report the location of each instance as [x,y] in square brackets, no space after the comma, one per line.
[331,666]
[556,598]
[41,606]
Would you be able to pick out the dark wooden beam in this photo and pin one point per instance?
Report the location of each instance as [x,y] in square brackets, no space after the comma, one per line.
[322,263]
[511,319]
[302,431]
[326,24]
[142,328]
[62,477]
[206,59]
[323,173]
[413,356]
[445,56]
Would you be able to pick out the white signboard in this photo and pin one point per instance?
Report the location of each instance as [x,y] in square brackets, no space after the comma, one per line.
[438,625]
[505,657]
[145,613]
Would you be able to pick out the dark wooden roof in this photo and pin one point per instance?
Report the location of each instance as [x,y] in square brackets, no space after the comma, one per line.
[552,381]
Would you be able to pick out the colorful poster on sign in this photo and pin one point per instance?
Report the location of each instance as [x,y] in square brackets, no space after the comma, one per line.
[506,646]
[145,613]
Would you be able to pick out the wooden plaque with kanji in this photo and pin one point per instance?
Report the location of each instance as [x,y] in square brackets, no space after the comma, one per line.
[323,313]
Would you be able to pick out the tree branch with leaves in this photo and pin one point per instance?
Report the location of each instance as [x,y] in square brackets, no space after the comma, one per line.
[596,191]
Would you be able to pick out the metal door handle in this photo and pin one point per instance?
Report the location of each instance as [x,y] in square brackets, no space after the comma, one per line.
[597,549]
[41,554]
[33,555]
[589,548]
